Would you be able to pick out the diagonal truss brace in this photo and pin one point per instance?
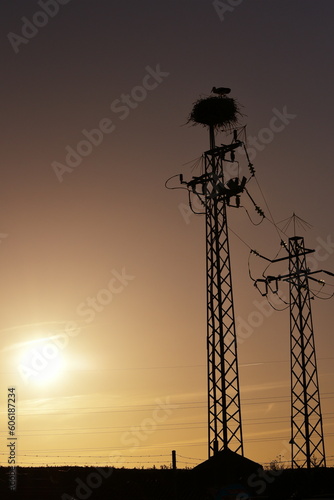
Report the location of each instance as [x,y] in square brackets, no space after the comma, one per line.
[307,440]
[224,413]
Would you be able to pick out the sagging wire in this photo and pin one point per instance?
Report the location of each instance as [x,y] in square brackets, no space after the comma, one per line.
[172,188]
[270,261]
[320,291]
[249,266]
[191,205]
[268,281]
[188,191]
[270,289]
[239,237]
[233,187]
[271,219]
[250,273]
[257,209]
[253,172]
[249,217]
[273,291]
[318,296]
[189,194]
[289,279]
[237,134]
[329,274]
[267,267]
[276,308]
[255,252]
[255,281]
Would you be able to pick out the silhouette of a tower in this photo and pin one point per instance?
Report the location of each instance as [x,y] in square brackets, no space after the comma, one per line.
[307,439]
[224,413]
[215,192]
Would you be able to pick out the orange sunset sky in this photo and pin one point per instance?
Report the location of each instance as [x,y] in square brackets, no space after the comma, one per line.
[103,323]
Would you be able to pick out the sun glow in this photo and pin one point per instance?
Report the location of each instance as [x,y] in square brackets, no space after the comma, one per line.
[41,362]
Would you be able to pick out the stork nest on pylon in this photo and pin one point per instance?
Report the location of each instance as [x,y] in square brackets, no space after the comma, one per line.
[218,112]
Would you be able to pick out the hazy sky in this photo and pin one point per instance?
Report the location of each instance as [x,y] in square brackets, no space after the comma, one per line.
[102,261]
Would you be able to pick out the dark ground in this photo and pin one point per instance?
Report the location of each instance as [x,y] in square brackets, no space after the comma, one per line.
[81,483]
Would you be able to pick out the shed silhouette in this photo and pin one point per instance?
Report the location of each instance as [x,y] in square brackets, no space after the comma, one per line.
[227,467]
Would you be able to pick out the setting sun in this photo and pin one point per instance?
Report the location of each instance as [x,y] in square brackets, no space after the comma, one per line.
[41,361]
[166,247]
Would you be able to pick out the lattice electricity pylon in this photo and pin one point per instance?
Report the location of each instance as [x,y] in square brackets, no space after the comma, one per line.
[224,413]
[307,439]
[214,192]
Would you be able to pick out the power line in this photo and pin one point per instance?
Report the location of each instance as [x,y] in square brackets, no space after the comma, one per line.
[32,453]
[160,428]
[148,407]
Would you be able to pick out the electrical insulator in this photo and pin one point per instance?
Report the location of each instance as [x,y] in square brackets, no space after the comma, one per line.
[259,211]
[251,168]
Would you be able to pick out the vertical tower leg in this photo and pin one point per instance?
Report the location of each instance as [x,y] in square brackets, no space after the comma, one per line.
[307,441]
[224,414]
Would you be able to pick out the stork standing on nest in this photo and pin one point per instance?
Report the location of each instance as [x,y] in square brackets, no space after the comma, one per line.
[221,90]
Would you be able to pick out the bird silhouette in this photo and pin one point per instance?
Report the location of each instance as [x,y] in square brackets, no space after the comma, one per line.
[221,90]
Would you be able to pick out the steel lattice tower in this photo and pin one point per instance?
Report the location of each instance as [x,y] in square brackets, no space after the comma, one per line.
[215,193]
[224,414]
[307,441]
